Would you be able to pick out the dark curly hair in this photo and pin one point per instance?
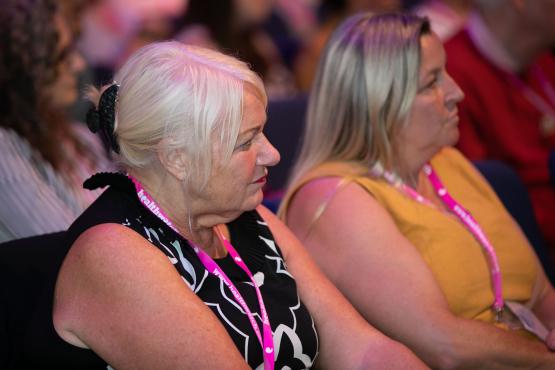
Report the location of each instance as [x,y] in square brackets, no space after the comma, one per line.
[29,62]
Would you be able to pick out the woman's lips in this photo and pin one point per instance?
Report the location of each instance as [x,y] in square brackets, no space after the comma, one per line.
[261,180]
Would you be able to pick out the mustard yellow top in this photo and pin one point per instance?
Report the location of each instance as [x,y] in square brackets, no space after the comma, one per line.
[456,259]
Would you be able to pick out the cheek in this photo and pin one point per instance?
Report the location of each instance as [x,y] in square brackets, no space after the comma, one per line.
[250,169]
[242,172]
[423,119]
[426,124]
[432,113]
[63,91]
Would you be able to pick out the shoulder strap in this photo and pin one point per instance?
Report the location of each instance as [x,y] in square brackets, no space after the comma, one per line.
[325,202]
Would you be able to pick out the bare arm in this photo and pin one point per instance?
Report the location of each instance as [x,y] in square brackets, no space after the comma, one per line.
[121,297]
[545,310]
[359,247]
[347,341]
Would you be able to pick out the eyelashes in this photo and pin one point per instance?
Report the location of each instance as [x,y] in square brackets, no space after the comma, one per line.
[246,145]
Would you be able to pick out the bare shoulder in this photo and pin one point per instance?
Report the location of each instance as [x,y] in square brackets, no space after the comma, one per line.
[311,194]
[107,246]
[311,200]
[100,263]
[354,202]
[121,297]
[330,200]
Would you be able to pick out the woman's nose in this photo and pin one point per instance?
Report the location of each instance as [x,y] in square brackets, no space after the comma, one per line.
[269,155]
[454,93]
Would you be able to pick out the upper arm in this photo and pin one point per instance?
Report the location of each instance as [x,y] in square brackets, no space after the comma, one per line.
[334,316]
[359,247]
[121,297]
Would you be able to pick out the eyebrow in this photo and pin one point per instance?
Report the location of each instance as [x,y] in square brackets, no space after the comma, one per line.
[433,73]
[251,130]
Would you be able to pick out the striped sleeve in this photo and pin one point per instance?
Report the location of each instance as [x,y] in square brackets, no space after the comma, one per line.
[29,200]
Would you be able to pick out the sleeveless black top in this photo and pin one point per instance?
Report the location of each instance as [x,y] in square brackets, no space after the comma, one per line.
[295,336]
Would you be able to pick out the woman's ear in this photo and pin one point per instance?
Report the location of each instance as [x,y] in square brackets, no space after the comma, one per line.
[175,162]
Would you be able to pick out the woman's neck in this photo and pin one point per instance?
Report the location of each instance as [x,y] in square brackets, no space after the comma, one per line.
[410,179]
[195,228]
[192,224]
[409,173]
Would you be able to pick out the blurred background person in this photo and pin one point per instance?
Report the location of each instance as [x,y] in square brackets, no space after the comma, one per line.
[236,27]
[290,25]
[447,17]
[502,61]
[379,197]
[331,14]
[44,157]
[113,29]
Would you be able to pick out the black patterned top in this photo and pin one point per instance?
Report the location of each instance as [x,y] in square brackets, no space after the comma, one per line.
[295,336]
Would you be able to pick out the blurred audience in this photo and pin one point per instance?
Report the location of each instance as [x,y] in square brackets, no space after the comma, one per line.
[332,12]
[113,29]
[502,62]
[447,17]
[44,158]
[290,25]
[235,27]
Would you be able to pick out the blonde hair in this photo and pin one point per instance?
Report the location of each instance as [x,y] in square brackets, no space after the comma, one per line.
[366,81]
[174,96]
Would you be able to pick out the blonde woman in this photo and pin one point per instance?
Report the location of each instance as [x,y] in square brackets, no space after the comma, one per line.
[380,198]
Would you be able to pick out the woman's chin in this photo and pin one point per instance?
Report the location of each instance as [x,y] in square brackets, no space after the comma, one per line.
[256,200]
[453,137]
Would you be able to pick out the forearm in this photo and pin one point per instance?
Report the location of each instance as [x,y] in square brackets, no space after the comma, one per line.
[385,353]
[363,347]
[477,345]
[545,308]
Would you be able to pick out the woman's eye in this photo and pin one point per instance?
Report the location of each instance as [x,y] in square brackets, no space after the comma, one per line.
[428,87]
[431,84]
[245,145]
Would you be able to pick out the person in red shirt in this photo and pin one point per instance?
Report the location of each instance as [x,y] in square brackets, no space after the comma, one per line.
[501,61]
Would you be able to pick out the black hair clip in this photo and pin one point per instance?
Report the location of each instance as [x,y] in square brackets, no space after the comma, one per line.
[103,119]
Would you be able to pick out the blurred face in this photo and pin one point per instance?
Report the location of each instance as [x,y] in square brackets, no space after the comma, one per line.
[433,120]
[236,186]
[252,12]
[62,92]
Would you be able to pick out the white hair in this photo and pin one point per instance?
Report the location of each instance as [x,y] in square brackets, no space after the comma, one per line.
[174,96]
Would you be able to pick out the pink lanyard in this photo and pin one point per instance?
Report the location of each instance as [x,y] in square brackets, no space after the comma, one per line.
[266,340]
[533,97]
[466,218]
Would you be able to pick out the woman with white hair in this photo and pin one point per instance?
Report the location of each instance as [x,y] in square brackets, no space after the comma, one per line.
[176,265]
[400,221]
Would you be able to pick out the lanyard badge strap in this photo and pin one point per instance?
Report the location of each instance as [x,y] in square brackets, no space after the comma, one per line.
[266,337]
[472,225]
[463,215]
